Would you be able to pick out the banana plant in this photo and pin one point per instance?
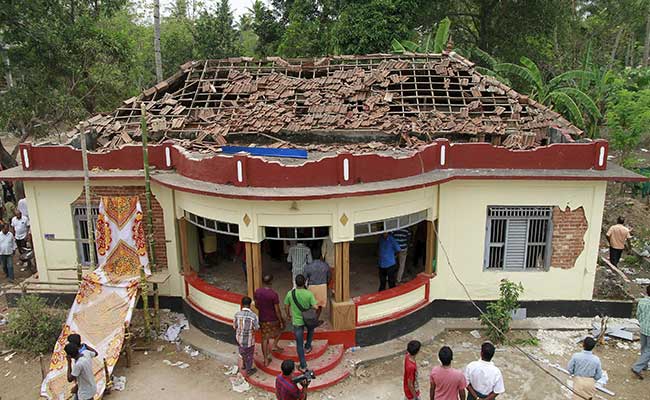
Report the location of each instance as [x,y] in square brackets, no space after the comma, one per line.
[562,92]
[430,43]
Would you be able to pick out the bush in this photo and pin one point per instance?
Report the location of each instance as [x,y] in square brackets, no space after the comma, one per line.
[499,313]
[33,326]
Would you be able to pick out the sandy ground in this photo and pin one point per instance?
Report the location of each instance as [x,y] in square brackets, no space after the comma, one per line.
[149,377]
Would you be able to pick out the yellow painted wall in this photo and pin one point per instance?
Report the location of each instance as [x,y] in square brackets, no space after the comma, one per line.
[309,212]
[462,219]
[460,207]
[50,209]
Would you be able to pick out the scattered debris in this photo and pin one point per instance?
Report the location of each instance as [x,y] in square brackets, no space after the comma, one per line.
[119,383]
[613,268]
[173,332]
[189,350]
[178,364]
[10,356]
[339,92]
[239,384]
[231,370]
[476,334]
[642,281]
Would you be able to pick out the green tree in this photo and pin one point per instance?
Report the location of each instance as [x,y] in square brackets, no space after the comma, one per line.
[628,120]
[266,26]
[215,34]
[304,35]
[72,60]
[370,26]
[560,91]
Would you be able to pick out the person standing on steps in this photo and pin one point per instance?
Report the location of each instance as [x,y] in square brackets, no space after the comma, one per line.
[388,247]
[643,315]
[271,321]
[246,323]
[318,277]
[300,302]
[484,379]
[447,383]
[586,370]
[617,236]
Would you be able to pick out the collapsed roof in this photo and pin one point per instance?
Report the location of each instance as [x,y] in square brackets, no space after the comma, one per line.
[356,103]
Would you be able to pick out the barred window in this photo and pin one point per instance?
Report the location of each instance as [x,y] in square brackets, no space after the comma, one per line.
[518,238]
[81,232]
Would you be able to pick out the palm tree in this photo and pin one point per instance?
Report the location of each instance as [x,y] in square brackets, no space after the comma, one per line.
[562,91]
[429,44]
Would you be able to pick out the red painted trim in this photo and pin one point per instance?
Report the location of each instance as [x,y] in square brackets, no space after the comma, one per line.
[393,316]
[66,158]
[417,282]
[327,171]
[204,287]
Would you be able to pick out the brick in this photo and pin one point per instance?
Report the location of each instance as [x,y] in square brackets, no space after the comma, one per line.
[569,228]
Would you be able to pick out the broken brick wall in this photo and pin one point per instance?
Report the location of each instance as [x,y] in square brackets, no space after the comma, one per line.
[569,228]
[158,220]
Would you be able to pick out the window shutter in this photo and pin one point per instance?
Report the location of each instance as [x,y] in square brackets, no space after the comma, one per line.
[516,243]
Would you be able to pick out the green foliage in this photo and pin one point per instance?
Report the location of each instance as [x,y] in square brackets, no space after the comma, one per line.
[214,33]
[371,26]
[434,41]
[498,315]
[32,326]
[628,119]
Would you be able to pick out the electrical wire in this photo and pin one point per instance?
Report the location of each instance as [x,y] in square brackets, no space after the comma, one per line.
[528,356]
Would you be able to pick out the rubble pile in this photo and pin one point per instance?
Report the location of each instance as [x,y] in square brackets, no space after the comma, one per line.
[412,98]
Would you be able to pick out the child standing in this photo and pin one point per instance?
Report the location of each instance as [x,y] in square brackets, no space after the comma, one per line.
[411,387]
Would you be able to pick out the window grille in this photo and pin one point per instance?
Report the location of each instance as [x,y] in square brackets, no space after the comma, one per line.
[388,225]
[81,232]
[212,225]
[291,233]
[518,238]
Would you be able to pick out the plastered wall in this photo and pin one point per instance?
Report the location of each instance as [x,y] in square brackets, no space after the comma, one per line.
[462,219]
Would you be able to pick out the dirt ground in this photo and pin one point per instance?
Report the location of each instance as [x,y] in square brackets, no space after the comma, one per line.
[149,377]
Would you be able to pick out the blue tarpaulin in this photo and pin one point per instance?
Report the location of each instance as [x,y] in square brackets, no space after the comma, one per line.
[265,151]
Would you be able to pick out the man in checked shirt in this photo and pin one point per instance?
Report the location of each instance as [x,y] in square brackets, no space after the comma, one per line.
[246,323]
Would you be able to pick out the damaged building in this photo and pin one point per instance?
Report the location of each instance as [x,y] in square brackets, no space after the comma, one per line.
[333,152]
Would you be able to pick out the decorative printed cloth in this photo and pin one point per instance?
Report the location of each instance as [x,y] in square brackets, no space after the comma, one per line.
[104,304]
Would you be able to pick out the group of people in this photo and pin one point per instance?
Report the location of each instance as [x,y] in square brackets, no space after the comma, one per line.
[14,235]
[301,308]
[480,380]
[392,254]
[483,380]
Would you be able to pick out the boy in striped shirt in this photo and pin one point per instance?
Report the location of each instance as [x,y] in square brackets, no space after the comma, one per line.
[402,236]
[246,323]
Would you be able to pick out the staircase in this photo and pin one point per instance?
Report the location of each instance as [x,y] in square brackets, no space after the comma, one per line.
[324,360]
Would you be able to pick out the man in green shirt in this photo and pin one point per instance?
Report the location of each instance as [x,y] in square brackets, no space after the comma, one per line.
[307,301]
[643,315]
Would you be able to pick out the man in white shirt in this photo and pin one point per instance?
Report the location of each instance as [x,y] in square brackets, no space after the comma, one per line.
[20,224]
[7,249]
[484,379]
[82,370]
[22,206]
